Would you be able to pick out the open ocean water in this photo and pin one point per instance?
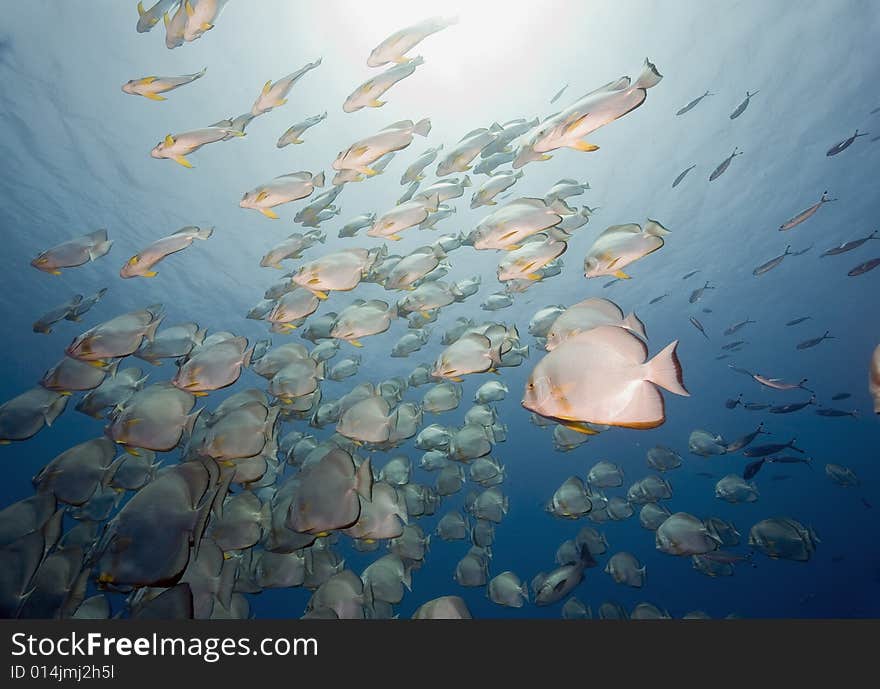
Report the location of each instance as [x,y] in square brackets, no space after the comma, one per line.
[76,153]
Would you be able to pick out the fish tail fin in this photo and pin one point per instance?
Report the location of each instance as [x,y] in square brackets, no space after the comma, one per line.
[363,480]
[200,73]
[665,370]
[191,422]
[655,228]
[423,127]
[649,76]
[246,359]
[204,233]
[828,336]
[634,323]
[561,207]
[150,332]
[318,180]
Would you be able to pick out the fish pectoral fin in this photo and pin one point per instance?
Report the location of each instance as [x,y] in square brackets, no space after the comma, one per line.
[98,364]
[154,96]
[281,102]
[456,379]
[545,156]
[321,295]
[377,103]
[584,146]
[149,274]
[181,160]
[199,394]
[206,26]
[368,171]
[356,343]
[394,237]
[534,276]
[269,213]
[580,427]
[54,272]
[401,60]
[132,451]
[620,275]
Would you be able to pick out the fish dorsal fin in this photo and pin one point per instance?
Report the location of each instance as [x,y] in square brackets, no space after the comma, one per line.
[533,202]
[475,132]
[618,85]
[403,124]
[628,228]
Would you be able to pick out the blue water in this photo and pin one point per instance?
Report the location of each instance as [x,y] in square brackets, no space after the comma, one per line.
[76,158]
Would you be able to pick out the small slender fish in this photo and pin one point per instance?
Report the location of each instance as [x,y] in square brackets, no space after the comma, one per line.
[753,468]
[772,449]
[660,298]
[722,167]
[755,406]
[841,146]
[874,111]
[681,176]
[611,282]
[697,294]
[692,105]
[806,344]
[802,251]
[793,407]
[705,474]
[796,321]
[734,345]
[863,268]
[737,326]
[741,108]
[828,411]
[848,246]
[707,310]
[841,396]
[747,439]
[867,504]
[744,371]
[721,357]
[734,403]
[689,275]
[779,384]
[791,460]
[698,326]
[772,263]
[805,214]
[151,87]
[559,93]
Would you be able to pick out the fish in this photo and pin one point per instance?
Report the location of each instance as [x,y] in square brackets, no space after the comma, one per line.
[841,146]
[585,316]
[841,396]
[201,15]
[684,534]
[143,262]
[689,275]
[812,342]
[395,47]
[741,108]
[113,392]
[626,569]
[274,94]
[734,402]
[292,247]
[488,165]
[796,321]
[294,132]
[535,253]
[177,146]
[848,246]
[791,460]
[459,157]
[772,263]
[682,175]
[150,87]
[697,294]
[806,214]
[874,378]
[154,418]
[692,104]
[783,538]
[614,384]
[175,26]
[147,19]
[735,489]
[118,337]
[660,298]
[737,326]
[620,245]
[282,189]
[863,268]
[443,608]
[793,407]
[368,93]
[747,439]
[25,415]
[507,227]
[842,476]
[74,252]
[556,585]
[568,127]
[771,449]
[213,367]
[723,165]
[752,468]
[779,384]
[492,187]
[363,153]
[698,326]
[559,93]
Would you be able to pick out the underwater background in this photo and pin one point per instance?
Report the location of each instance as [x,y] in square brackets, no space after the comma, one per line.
[76,158]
